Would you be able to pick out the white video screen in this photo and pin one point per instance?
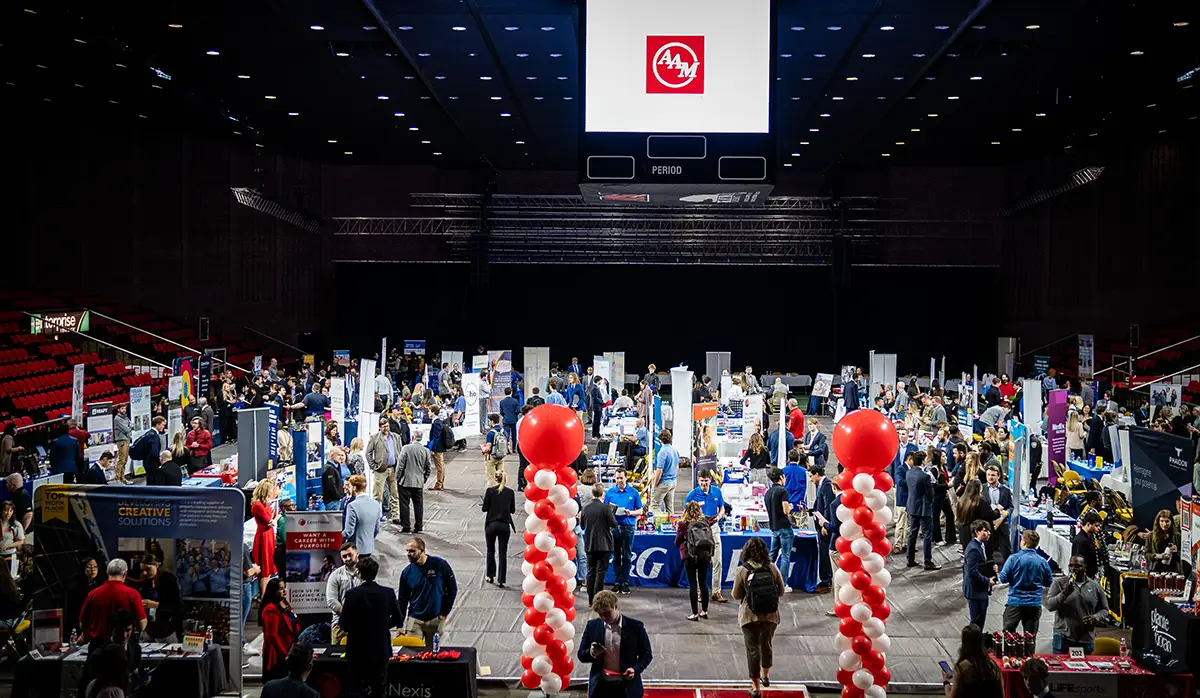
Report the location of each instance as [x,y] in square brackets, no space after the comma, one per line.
[677,66]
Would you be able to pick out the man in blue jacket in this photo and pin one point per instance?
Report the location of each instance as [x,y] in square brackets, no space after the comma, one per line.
[147,449]
[618,649]
[773,443]
[66,459]
[795,480]
[510,409]
[900,477]
[815,444]
[95,473]
[920,509]
[978,573]
[824,496]
[427,591]
[1027,576]
[830,526]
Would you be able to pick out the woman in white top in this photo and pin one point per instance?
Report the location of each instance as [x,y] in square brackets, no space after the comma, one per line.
[14,534]
[736,393]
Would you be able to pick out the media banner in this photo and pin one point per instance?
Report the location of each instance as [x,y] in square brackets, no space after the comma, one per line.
[618,370]
[53,323]
[1166,395]
[500,363]
[174,406]
[1161,469]
[312,552]
[204,376]
[414,346]
[100,430]
[1087,356]
[341,357]
[1056,432]
[258,365]
[195,534]
[966,403]
[272,435]
[77,393]
[139,410]
[366,386]
[704,437]
[337,403]
[752,416]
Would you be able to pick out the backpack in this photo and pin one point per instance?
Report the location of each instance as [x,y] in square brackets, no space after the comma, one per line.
[699,540]
[500,447]
[447,435]
[761,593]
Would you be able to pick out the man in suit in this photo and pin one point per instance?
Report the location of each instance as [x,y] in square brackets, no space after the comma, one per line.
[147,447]
[920,509]
[850,396]
[773,444]
[815,444]
[618,649]
[369,613]
[66,459]
[598,522]
[978,572]
[825,495]
[829,527]
[1001,498]
[95,473]
[383,453]
[900,477]
[362,517]
[299,665]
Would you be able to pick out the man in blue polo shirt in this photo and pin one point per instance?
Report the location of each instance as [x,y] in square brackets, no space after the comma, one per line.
[795,480]
[628,505]
[1027,576]
[713,506]
[666,475]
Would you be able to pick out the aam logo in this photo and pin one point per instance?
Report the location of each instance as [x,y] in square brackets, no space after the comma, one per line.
[675,65]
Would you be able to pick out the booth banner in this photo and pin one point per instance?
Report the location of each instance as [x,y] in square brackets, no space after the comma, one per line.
[139,410]
[966,403]
[1056,432]
[174,406]
[726,386]
[337,403]
[1031,391]
[470,386]
[479,363]
[77,393]
[1166,395]
[284,478]
[704,436]
[618,368]
[681,409]
[1041,365]
[182,367]
[602,367]
[100,430]
[366,386]
[414,346]
[752,416]
[501,373]
[1161,471]
[536,368]
[272,435]
[313,551]
[341,357]
[204,375]
[195,533]
[1189,516]
[314,448]
[1087,356]
[258,365]
[823,385]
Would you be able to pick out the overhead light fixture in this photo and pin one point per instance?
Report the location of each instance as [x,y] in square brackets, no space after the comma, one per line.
[886,155]
[932,116]
[952,97]
[331,141]
[787,164]
[995,142]
[1136,53]
[413,128]
[803,142]
[1041,113]
[915,130]
[348,152]
[405,28]
[1033,26]
[484,77]
[898,77]
[886,28]
[519,142]
[795,155]
[511,29]
[834,29]
[316,27]
[806,78]
[785,55]
[918,55]
[979,26]
[1180,24]
[459,29]
[439,77]
[1151,106]
[157,87]
[342,54]
[556,55]
[568,99]
[121,65]
[818,55]
[814,130]
[825,116]
[899,142]
[547,29]
[369,28]
[213,53]
[425,142]
[436,153]
[269,96]
[1162,130]
[504,113]
[522,55]
[538,99]
[450,97]
[851,79]
[795,99]
[562,77]
[293,113]
[384,97]
[1016,130]
[976,77]
[531,77]
[797,29]
[881,97]
[243,77]
[838,99]
[175,26]
[495,99]
[868,55]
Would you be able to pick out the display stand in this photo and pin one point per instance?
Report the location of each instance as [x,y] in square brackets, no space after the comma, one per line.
[252,444]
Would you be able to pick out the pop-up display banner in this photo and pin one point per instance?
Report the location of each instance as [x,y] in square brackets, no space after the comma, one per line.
[1161,471]
[195,533]
[100,430]
[313,551]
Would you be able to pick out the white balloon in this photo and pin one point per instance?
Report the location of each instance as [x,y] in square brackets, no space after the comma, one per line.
[851,531]
[860,612]
[863,679]
[556,617]
[534,525]
[526,568]
[543,602]
[841,577]
[872,562]
[873,628]
[530,648]
[883,643]
[529,504]
[551,683]
[861,547]
[571,584]
[565,632]
[557,557]
[882,578]
[875,500]
[559,495]
[844,513]
[526,630]
[863,483]
[545,479]
[541,665]
[570,647]
[884,515]
[571,520]
[544,541]
[849,595]
[568,569]
[569,510]
[875,692]
[849,661]
[841,643]
[532,585]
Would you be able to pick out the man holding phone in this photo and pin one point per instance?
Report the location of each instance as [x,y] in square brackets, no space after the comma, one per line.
[1079,605]
[618,649]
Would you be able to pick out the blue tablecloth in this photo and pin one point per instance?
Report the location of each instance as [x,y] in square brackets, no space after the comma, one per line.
[1087,472]
[656,560]
[1032,518]
[201,482]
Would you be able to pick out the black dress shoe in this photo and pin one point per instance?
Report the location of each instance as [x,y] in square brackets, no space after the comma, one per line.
[912,564]
[930,567]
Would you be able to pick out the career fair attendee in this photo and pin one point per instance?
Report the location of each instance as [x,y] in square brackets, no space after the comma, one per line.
[1085,543]
[426,592]
[779,509]
[773,443]
[369,612]
[340,582]
[1162,544]
[1036,676]
[494,448]
[199,443]
[712,503]
[693,538]
[299,664]
[827,520]
[107,599]
[627,502]
[618,649]
[758,585]
[976,674]
[499,504]
[1079,605]
[332,485]
[280,629]
[1000,497]
[411,475]
[161,594]
[441,439]
[979,572]
[816,446]
[102,659]
[264,536]
[795,480]
[666,474]
[1028,576]
[758,458]
[899,475]
[362,518]
[66,458]
[920,510]
[383,452]
[21,501]
[598,524]
[147,448]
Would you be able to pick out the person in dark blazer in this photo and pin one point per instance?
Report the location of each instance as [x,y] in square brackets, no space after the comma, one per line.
[821,502]
[499,503]
[598,522]
[920,509]
[95,472]
[66,459]
[627,661]
[978,572]
[828,527]
[850,394]
[147,448]
[369,612]
[815,444]
[299,664]
[899,475]
[332,486]
[1001,498]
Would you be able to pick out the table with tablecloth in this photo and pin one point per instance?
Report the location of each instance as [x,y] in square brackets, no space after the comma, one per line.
[1088,470]
[1103,677]
[1055,545]
[1032,518]
[59,675]
[656,560]
[202,482]
[418,678]
[1121,485]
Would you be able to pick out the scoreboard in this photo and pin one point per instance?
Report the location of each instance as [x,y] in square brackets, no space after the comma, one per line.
[677,101]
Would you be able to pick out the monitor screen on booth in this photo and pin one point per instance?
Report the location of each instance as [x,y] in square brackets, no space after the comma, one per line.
[677,66]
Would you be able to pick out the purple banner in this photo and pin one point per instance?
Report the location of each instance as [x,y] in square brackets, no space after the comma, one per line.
[1056,430]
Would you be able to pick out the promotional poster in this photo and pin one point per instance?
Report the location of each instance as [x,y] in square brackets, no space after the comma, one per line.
[204,375]
[257,365]
[341,357]
[99,427]
[174,405]
[1056,432]
[77,393]
[501,373]
[470,386]
[414,346]
[337,402]
[1165,395]
[139,418]
[1161,469]
[823,385]
[1087,356]
[313,551]
[704,436]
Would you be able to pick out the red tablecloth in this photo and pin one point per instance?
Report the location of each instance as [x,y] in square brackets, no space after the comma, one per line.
[1134,682]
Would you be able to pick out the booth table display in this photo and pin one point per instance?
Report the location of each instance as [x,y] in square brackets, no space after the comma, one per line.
[1056,546]
[1032,518]
[202,482]
[173,676]
[1100,677]
[1088,471]
[656,560]
[413,677]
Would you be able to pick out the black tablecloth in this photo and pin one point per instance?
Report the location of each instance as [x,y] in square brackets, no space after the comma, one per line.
[1165,638]
[187,676]
[443,678]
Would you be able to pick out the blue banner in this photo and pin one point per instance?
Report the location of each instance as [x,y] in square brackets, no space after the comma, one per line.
[273,418]
[414,346]
[204,376]
[657,563]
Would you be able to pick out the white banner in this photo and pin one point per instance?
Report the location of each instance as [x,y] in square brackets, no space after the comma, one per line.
[602,366]
[383,358]
[470,386]
[258,365]
[1032,402]
[1087,356]
[100,430]
[77,393]
[726,385]
[479,362]
[139,410]
[537,368]
[681,409]
[366,387]
[174,406]
[752,411]
[337,405]
[618,369]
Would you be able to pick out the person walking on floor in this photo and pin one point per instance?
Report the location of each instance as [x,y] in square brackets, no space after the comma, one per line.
[495,447]
[362,517]
[694,539]
[628,503]
[499,504]
[368,615]
[920,510]
[713,504]
[618,649]
[598,524]
[441,439]
[978,572]
[779,509]
[510,409]
[899,475]
[830,527]
[666,475]
[340,582]
[426,593]
[383,453]
[758,584]
[413,473]
[1027,576]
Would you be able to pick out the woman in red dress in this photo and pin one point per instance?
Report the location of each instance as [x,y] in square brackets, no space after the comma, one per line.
[280,628]
[264,538]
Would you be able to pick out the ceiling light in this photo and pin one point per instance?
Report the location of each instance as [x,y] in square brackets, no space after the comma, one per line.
[78,85]
[898,77]
[976,77]
[1041,113]
[213,53]
[1093,135]
[531,77]
[32,12]
[405,28]
[538,98]
[547,29]
[785,55]
[825,115]
[979,26]
[495,99]
[838,99]
[122,65]
[384,97]
[795,99]
[1016,130]
[439,77]
[787,164]
[425,142]
[1136,53]
[1181,24]
[886,28]
[851,79]
[952,97]
[814,130]
[930,78]
[450,97]
[881,97]
[868,55]
[562,77]
[795,155]
[556,55]
[269,96]
[112,101]
[886,155]
[348,152]
[436,153]
[470,55]
[803,142]
[932,116]
[331,141]
[459,29]
[243,77]
[519,142]
[522,55]
[941,27]
[423,55]
[504,113]
[918,55]
[1151,106]
[797,29]
[818,55]
[484,77]
[157,87]
[341,54]
[293,113]
[369,28]
[806,78]
[511,29]
[1163,130]
[834,29]
[899,142]
[175,26]
[915,130]
[568,98]
[316,27]
[1033,26]
[995,142]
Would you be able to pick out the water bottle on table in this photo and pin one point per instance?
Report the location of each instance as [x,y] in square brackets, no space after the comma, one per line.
[437,642]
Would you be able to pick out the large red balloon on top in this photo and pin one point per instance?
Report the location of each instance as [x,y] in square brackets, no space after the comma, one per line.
[552,436]
[864,441]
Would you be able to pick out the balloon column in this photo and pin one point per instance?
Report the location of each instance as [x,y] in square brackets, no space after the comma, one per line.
[551,438]
[865,443]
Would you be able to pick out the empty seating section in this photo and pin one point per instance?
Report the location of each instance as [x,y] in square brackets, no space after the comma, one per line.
[1065,358]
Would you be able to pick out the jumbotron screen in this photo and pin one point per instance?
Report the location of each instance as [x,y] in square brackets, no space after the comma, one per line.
[677,66]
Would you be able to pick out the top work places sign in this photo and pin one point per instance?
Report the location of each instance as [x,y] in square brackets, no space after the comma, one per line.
[677,101]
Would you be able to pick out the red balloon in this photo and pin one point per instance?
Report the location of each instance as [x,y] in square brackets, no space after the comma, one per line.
[861,644]
[846,678]
[883,676]
[873,595]
[883,481]
[543,634]
[850,562]
[552,436]
[865,441]
[860,580]
[573,490]
[529,536]
[882,547]
[565,676]
[874,531]
[881,610]
[873,660]
[555,586]
[842,545]
[543,571]
[851,628]
[566,476]
[863,516]
[527,600]
[534,617]
[566,539]
[840,609]
[545,510]
[852,499]
[526,662]
[556,649]
[563,667]
[557,524]
[570,553]
[534,493]
[852,691]
[570,614]
[533,555]
[564,601]
[530,680]
[530,472]
[845,480]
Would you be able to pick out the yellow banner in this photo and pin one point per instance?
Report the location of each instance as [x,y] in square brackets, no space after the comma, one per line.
[54,502]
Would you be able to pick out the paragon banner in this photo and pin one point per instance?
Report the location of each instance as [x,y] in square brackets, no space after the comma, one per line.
[1161,468]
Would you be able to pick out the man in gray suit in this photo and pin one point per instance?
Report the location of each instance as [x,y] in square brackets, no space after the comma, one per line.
[415,463]
[362,518]
[383,454]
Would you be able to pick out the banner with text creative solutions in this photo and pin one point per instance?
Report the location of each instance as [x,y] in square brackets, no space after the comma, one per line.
[1056,431]
[312,552]
[195,533]
[1161,471]
[1087,356]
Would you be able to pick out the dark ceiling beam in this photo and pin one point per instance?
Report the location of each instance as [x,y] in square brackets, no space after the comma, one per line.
[518,108]
[386,26]
[909,86]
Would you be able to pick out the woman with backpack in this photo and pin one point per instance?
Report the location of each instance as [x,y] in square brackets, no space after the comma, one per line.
[694,540]
[758,585]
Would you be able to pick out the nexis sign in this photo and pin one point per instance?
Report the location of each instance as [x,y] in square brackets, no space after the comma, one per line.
[675,65]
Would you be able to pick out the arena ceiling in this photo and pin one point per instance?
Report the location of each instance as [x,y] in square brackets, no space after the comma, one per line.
[495,83]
